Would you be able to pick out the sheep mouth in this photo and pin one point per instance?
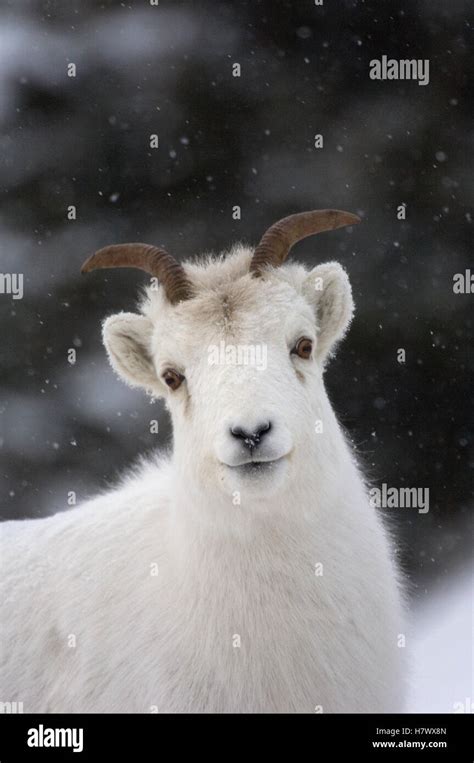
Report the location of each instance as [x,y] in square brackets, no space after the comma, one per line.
[255,467]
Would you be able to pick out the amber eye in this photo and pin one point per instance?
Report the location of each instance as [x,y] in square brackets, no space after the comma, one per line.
[303,348]
[172,378]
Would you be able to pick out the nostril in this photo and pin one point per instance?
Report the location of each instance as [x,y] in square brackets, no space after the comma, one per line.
[238,432]
[264,428]
[251,439]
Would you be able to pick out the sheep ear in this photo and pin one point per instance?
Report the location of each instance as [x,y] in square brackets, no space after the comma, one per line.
[127,339]
[329,292]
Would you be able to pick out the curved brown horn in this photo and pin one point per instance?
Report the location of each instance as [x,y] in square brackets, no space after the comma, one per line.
[281,236]
[152,259]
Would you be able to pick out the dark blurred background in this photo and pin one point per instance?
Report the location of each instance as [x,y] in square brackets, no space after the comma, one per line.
[247,141]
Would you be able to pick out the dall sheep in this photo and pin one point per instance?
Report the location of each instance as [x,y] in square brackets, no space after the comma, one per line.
[244,572]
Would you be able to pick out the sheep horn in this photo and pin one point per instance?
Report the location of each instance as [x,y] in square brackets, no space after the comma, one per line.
[152,259]
[276,243]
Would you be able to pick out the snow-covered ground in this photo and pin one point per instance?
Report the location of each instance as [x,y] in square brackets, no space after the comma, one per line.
[442,679]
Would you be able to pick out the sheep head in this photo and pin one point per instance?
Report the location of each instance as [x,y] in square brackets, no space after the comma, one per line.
[237,347]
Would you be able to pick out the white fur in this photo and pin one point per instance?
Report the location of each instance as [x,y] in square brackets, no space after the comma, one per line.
[236,620]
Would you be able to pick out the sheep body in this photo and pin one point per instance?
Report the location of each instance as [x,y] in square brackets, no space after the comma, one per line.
[169,594]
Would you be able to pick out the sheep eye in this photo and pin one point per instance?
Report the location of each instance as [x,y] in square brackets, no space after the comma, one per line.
[303,348]
[172,378]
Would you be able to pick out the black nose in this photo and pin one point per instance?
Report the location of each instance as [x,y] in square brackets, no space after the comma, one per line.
[251,440]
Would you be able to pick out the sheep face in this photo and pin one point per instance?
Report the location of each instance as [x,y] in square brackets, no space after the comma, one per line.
[240,366]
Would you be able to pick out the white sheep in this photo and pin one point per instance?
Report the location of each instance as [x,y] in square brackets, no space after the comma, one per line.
[244,572]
